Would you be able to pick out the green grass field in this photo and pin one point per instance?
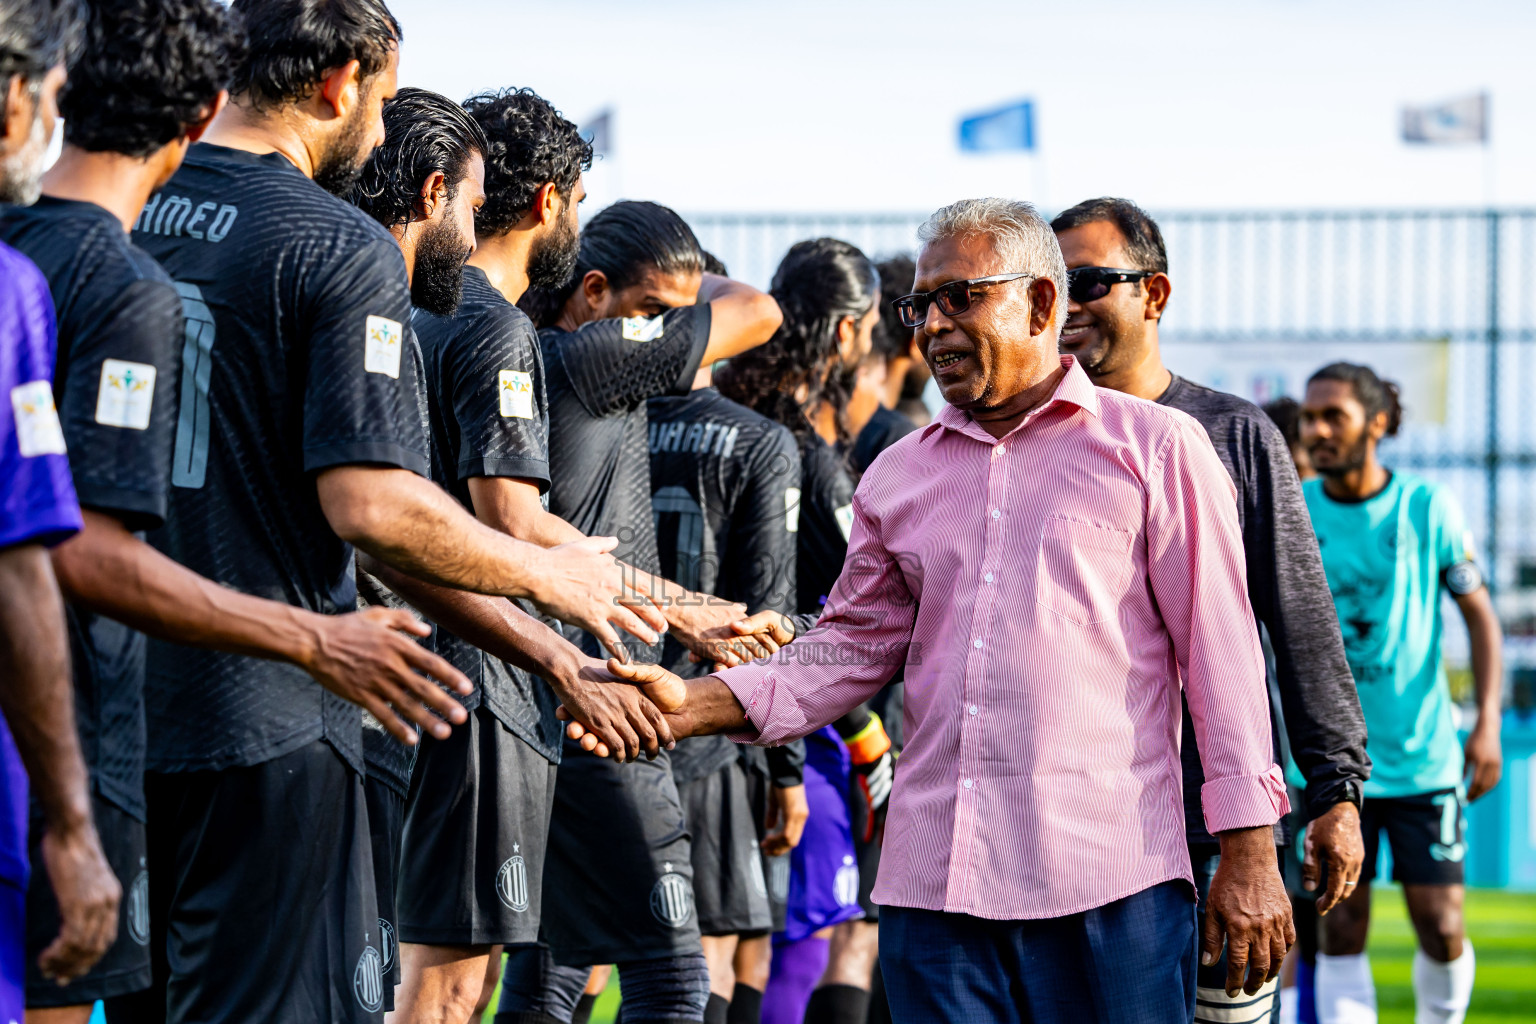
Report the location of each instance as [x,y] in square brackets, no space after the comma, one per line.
[1503,930]
[1502,926]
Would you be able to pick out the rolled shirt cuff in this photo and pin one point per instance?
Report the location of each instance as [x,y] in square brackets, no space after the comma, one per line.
[1244,801]
[769,703]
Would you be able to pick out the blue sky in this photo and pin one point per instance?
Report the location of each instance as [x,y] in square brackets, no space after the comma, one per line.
[850,106]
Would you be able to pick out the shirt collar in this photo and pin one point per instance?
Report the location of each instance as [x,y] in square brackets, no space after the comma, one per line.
[1074,388]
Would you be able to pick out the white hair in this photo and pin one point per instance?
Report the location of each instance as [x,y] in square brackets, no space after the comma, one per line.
[1022,239]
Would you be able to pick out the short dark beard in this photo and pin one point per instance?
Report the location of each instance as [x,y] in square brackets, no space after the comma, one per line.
[552,259]
[342,164]
[437,283]
[1353,459]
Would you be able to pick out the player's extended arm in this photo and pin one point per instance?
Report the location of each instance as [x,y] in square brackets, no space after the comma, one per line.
[621,719]
[710,707]
[365,657]
[870,612]
[740,317]
[1484,754]
[700,622]
[37,698]
[410,523]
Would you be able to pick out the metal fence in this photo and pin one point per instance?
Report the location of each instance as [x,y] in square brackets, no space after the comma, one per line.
[1443,300]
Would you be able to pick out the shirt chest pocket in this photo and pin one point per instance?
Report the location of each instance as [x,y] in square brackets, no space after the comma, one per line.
[1082,571]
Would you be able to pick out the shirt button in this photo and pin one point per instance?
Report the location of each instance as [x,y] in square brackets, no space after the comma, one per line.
[974,709]
[988,577]
[1000,449]
[967,783]
[997,513]
[976,644]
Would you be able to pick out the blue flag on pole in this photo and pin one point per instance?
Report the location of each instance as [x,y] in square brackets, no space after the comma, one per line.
[1459,120]
[1010,127]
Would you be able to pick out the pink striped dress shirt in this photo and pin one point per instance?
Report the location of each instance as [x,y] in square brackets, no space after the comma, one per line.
[1046,593]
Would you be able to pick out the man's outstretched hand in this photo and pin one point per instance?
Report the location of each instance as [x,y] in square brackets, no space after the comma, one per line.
[611,718]
[724,635]
[1249,909]
[370,659]
[690,708]
[748,639]
[582,584]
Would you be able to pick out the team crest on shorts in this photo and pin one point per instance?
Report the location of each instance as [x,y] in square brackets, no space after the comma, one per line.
[138,907]
[512,883]
[387,943]
[368,980]
[845,886]
[755,870]
[778,870]
[672,898]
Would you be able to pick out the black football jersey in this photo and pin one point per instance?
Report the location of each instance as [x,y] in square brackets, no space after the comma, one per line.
[825,522]
[118,366]
[600,376]
[489,418]
[725,499]
[298,357]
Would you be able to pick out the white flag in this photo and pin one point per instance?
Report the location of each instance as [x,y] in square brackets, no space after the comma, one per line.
[1460,120]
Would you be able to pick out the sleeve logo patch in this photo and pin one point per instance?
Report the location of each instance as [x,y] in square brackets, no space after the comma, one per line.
[639,328]
[516,390]
[844,516]
[126,395]
[37,421]
[382,344]
[792,509]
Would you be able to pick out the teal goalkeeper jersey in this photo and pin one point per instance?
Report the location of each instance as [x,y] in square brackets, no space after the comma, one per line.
[1386,560]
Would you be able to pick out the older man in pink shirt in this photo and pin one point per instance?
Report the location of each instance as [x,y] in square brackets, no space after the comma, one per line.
[1050,560]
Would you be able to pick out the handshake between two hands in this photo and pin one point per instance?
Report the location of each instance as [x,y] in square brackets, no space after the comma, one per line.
[622,709]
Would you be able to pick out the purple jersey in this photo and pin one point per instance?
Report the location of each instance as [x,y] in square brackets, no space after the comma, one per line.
[37,504]
[824,872]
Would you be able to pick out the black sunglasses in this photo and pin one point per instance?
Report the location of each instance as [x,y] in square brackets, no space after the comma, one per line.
[952,298]
[1085,284]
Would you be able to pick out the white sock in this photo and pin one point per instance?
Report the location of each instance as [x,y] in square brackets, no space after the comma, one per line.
[1345,992]
[1441,992]
[1288,1012]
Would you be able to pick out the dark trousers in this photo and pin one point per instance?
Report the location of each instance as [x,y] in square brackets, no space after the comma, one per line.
[1128,962]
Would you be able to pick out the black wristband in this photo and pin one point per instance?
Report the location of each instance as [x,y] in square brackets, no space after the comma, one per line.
[1320,798]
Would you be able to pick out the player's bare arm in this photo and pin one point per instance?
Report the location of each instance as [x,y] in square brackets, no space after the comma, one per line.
[415,526]
[619,720]
[37,701]
[702,623]
[708,706]
[368,658]
[1484,753]
[741,317]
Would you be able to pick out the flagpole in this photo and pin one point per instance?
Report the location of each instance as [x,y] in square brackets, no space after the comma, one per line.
[1488,165]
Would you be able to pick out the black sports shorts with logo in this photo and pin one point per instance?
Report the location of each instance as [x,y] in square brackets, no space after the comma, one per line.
[476,827]
[386,818]
[776,869]
[267,872]
[126,965]
[1427,833]
[730,889]
[618,882]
